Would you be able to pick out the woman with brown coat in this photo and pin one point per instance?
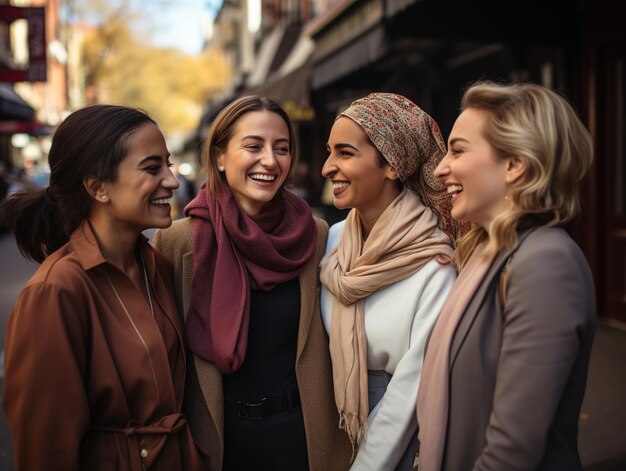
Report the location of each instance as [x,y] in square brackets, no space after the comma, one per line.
[95,360]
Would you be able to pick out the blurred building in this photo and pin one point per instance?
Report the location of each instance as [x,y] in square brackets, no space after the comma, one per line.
[430,50]
[34,67]
[315,57]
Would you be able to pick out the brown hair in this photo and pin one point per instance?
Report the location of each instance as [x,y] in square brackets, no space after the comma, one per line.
[222,131]
[538,125]
[91,142]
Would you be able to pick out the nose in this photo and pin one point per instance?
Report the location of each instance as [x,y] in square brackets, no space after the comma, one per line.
[443,169]
[268,159]
[170,180]
[329,168]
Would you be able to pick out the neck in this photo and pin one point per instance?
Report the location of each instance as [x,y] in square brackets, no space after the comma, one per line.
[118,247]
[370,216]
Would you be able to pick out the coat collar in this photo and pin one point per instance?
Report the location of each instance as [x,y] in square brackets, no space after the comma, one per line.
[478,299]
[85,246]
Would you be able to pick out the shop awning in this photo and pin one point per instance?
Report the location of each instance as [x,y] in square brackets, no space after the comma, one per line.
[291,92]
[363,51]
[13,106]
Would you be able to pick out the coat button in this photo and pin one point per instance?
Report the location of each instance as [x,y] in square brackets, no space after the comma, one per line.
[144,453]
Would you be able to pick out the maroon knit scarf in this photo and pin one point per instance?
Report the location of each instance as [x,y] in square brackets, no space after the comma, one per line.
[232,253]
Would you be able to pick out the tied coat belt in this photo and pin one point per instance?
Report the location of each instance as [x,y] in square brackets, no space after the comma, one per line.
[148,440]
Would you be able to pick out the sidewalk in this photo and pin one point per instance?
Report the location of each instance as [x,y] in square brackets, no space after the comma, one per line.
[602,437]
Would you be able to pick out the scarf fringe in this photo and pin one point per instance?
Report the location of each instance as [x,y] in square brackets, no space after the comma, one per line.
[356,432]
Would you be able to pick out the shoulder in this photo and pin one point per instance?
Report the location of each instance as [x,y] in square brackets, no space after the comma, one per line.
[549,272]
[176,239]
[321,226]
[322,233]
[61,269]
[333,235]
[60,286]
[432,280]
[549,248]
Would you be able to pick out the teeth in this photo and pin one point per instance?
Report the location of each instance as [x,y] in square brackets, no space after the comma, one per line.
[263,176]
[161,201]
[455,189]
[339,185]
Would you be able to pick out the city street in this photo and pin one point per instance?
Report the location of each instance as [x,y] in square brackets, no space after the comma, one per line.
[14,272]
[603,416]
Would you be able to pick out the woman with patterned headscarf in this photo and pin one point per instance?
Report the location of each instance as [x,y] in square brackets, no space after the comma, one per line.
[386,271]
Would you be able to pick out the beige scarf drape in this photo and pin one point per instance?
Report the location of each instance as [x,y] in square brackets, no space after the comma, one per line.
[403,240]
[432,397]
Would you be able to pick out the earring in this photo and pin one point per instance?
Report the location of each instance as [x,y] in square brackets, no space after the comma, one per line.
[104,197]
[221,168]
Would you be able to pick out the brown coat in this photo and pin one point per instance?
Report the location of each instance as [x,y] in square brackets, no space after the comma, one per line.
[89,385]
[328,446]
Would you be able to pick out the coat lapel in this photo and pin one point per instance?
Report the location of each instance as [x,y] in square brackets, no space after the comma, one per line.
[475,304]
[209,378]
[309,298]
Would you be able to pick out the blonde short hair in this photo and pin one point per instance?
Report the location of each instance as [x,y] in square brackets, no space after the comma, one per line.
[539,126]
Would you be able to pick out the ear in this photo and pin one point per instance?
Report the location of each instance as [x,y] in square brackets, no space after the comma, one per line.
[515,168]
[220,165]
[96,189]
[391,173]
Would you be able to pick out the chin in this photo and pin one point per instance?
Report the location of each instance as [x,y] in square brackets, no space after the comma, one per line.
[162,224]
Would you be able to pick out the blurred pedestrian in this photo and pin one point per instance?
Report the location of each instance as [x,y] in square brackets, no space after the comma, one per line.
[183,194]
[94,357]
[506,366]
[386,271]
[246,262]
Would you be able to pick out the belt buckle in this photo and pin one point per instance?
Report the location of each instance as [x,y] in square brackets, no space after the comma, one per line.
[245,410]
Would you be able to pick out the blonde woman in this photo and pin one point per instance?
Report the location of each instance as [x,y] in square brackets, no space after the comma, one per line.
[506,366]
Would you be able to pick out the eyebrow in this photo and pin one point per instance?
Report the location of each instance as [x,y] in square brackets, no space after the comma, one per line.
[457,139]
[342,146]
[149,158]
[259,138]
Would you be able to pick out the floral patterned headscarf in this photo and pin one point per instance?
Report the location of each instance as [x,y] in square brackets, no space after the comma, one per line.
[410,141]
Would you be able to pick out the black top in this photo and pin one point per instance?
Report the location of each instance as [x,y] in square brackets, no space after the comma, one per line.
[277,441]
[269,366]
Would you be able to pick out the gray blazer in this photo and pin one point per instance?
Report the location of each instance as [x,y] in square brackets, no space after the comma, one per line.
[518,374]
[328,447]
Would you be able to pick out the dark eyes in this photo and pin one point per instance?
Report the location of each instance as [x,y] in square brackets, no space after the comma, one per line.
[341,153]
[154,169]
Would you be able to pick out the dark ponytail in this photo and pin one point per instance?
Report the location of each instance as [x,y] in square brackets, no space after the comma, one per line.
[35,220]
[91,142]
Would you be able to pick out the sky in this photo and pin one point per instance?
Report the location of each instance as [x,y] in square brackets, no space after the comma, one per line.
[181,24]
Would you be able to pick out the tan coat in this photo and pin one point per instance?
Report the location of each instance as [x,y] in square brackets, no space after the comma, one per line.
[328,447]
[91,383]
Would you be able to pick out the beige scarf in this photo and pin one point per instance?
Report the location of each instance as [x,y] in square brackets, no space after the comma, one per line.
[432,397]
[404,238]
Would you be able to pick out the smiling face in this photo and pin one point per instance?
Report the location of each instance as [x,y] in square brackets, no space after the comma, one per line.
[139,197]
[257,159]
[475,176]
[354,168]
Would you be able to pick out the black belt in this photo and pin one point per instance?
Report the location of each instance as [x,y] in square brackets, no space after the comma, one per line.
[266,406]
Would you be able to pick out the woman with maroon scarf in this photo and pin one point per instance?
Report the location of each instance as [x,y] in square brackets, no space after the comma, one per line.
[259,390]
